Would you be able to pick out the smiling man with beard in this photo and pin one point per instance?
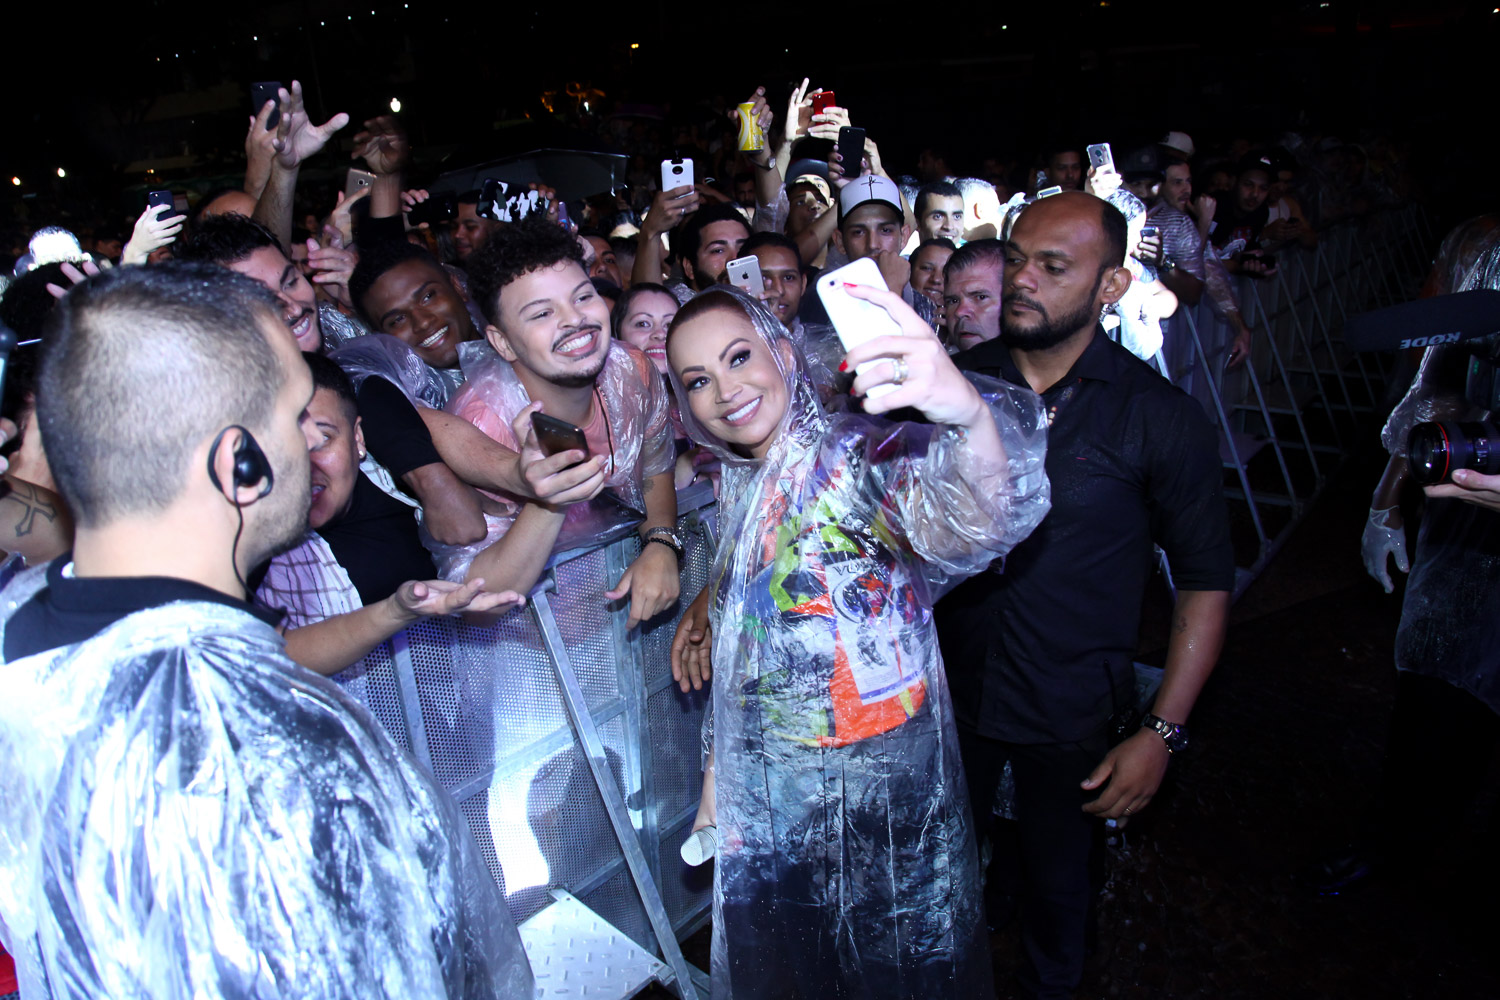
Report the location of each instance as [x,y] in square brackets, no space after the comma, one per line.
[551,332]
[1040,658]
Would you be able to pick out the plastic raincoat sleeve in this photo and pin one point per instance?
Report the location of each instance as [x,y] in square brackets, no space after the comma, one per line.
[187,813]
[382,355]
[637,414]
[961,512]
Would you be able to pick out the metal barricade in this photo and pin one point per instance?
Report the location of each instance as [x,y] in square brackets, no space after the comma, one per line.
[1294,411]
[520,721]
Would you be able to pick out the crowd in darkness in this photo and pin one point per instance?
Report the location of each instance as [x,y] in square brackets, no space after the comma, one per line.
[933,556]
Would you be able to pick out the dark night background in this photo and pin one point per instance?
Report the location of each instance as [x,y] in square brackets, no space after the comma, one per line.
[165,84]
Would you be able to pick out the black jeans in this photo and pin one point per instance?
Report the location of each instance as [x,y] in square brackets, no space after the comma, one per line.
[1052,852]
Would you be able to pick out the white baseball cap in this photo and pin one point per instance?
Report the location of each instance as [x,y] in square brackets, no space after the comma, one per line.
[866,188]
[1180,141]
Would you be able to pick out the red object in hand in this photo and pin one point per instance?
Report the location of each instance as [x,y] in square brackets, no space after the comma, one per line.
[822,101]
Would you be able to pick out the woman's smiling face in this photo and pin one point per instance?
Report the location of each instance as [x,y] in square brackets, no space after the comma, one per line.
[732,382]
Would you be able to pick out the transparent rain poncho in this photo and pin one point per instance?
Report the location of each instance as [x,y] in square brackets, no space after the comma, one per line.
[637,434]
[184,812]
[1468,259]
[847,864]
[384,356]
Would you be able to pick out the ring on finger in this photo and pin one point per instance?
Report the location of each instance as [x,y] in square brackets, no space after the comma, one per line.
[900,370]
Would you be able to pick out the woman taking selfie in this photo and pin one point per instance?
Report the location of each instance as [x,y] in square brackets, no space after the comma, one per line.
[846,858]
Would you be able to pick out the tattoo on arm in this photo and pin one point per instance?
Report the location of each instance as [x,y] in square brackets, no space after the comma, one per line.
[1181,625]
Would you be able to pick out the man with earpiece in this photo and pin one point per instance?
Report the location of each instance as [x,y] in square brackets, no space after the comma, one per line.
[184,811]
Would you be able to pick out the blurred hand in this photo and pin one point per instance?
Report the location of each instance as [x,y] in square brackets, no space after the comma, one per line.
[342,217]
[297,138]
[796,124]
[260,150]
[156,228]
[1148,250]
[332,264]
[668,208]
[1203,208]
[382,144]
[74,276]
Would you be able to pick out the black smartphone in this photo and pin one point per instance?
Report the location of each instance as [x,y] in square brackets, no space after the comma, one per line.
[154,198]
[262,92]
[852,150]
[436,209]
[557,436]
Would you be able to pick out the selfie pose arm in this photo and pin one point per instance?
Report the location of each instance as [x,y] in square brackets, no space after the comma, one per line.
[980,485]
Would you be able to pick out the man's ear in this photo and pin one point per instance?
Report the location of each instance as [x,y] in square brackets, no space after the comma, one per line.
[1115,286]
[499,342]
[359,437]
[838,239]
[690,273]
[905,234]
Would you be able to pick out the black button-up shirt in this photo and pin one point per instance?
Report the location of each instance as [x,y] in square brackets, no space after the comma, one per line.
[1042,652]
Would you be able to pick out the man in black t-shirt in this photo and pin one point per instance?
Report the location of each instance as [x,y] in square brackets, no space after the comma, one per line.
[1040,656]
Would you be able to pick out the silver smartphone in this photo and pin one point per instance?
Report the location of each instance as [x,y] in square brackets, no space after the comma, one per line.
[744,274]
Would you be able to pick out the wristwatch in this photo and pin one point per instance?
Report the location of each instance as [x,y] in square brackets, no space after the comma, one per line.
[1167,265]
[668,537]
[1173,735]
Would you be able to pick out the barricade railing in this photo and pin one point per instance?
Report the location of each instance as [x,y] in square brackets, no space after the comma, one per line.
[572,754]
[1295,410]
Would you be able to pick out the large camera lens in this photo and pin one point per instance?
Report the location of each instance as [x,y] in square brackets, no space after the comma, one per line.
[1434,450]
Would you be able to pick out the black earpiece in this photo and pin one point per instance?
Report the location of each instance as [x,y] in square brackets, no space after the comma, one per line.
[250,463]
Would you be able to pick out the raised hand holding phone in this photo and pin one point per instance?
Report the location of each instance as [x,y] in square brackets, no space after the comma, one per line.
[857,320]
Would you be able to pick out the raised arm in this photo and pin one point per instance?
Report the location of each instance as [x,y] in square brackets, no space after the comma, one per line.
[297,138]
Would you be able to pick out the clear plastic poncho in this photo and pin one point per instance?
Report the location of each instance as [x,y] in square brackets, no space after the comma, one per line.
[185,812]
[1468,259]
[847,863]
[638,437]
[384,356]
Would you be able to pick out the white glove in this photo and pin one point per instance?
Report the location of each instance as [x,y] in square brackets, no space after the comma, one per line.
[1379,541]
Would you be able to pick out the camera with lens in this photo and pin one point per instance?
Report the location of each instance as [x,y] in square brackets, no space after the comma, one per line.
[1436,448]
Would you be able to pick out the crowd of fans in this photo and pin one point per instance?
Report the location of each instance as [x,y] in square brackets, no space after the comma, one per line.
[442,329]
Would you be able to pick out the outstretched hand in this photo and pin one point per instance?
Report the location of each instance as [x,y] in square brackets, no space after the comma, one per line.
[692,645]
[422,598]
[297,138]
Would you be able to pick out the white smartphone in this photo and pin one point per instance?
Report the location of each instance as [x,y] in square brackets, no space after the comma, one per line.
[1100,157]
[855,320]
[744,274]
[676,173]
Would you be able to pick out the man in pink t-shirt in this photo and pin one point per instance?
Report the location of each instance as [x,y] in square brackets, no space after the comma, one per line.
[550,332]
